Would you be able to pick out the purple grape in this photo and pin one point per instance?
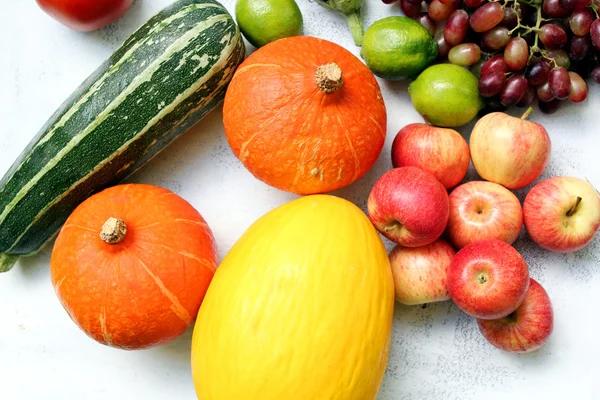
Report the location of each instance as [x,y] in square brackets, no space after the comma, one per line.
[580,21]
[443,47]
[410,10]
[560,57]
[492,104]
[415,2]
[560,83]
[516,54]
[595,33]
[439,11]
[575,4]
[579,89]
[549,107]
[579,47]
[427,22]
[456,27]
[528,98]
[544,93]
[476,68]
[596,74]
[465,54]
[495,63]
[486,17]
[492,84]
[538,73]
[511,17]
[514,90]
[552,8]
[553,36]
[474,3]
[496,38]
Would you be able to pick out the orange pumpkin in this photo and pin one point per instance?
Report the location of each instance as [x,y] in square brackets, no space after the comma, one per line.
[305,115]
[132,264]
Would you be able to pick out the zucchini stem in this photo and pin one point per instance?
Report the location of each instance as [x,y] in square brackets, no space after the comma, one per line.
[7,261]
[356,27]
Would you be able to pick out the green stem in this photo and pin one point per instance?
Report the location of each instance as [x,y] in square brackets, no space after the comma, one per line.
[594,8]
[527,113]
[7,261]
[356,27]
[535,48]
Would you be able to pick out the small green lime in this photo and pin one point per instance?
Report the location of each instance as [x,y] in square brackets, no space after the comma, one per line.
[447,95]
[264,21]
[398,48]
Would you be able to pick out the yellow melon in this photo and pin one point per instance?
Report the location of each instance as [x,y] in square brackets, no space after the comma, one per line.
[300,309]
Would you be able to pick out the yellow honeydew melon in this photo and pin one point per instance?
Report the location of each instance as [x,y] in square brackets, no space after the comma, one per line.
[300,309]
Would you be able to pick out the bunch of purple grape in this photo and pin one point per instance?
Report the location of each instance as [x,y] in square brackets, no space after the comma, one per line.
[521,50]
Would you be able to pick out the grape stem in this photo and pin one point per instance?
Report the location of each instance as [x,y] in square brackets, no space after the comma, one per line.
[594,8]
[535,48]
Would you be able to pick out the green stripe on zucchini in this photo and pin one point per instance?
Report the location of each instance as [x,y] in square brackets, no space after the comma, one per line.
[164,78]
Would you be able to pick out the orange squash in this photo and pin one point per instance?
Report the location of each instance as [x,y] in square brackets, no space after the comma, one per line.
[305,115]
[132,265]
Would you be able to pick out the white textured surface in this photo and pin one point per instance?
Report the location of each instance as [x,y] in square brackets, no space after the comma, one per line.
[437,352]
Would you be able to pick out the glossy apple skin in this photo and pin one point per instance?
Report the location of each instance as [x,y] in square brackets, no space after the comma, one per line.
[546,210]
[409,206]
[510,151]
[488,279]
[420,273]
[525,330]
[443,152]
[85,15]
[483,210]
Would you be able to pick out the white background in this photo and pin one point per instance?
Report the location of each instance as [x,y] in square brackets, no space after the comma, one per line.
[437,352]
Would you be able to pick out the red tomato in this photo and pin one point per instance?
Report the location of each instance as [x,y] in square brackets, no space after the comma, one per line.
[85,15]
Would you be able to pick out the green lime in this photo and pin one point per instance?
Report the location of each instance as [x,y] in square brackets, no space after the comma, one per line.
[398,48]
[264,21]
[447,95]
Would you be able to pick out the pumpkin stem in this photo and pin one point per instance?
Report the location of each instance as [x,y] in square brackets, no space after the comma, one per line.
[329,77]
[113,231]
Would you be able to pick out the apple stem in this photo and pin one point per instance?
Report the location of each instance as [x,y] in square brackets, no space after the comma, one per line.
[527,113]
[426,120]
[574,208]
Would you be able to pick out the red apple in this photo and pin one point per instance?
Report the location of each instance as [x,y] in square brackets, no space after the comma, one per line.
[85,15]
[443,152]
[562,213]
[488,279]
[526,329]
[420,273]
[483,210]
[510,151]
[409,206]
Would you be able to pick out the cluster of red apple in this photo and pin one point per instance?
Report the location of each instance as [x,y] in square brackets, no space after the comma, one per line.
[487,278]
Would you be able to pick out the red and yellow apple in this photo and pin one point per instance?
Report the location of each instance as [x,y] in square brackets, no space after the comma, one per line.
[509,151]
[420,273]
[488,279]
[562,213]
[443,152]
[409,206]
[527,328]
[483,210]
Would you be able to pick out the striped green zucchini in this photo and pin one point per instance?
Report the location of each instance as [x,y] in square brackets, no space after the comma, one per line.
[162,80]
